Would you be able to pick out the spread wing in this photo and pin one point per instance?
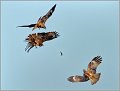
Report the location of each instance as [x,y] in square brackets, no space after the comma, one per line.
[92,66]
[77,78]
[37,39]
[45,17]
[31,25]
[48,36]
[52,35]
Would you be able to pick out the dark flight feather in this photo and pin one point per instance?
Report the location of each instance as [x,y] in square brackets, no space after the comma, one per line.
[31,25]
[41,21]
[37,39]
[90,73]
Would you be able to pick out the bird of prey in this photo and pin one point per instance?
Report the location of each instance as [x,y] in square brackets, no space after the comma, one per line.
[90,73]
[41,21]
[37,39]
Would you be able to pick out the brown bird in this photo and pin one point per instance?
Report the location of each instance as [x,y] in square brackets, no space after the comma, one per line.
[90,74]
[41,21]
[37,39]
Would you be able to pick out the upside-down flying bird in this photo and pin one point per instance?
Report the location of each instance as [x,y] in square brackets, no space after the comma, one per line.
[37,39]
[90,73]
[41,21]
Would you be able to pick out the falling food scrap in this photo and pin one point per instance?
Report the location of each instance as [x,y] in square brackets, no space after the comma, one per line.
[90,73]
[61,53]
[37,39]
[41,21]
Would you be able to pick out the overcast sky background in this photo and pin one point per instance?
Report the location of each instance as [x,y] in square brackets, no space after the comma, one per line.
[87,29]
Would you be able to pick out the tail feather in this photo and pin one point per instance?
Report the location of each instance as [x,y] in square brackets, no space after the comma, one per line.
[95,78]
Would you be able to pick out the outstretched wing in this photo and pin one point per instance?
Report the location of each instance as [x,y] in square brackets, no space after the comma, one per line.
[92,66]
[77,78]
[37,39]
[48,36]
[45,17]
[31,25]
[52,35]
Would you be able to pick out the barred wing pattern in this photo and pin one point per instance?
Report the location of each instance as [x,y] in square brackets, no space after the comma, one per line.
[91,70]
[41,21]
[37,39]
[92,66]
[77,78]
[90,74]
[50,12]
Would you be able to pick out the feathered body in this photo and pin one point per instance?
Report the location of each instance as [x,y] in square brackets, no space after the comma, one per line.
[41,21]
[37,39]
[90,73]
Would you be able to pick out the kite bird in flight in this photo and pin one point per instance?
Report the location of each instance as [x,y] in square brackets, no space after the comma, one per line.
[90,73]
[37,39]
[41,21]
